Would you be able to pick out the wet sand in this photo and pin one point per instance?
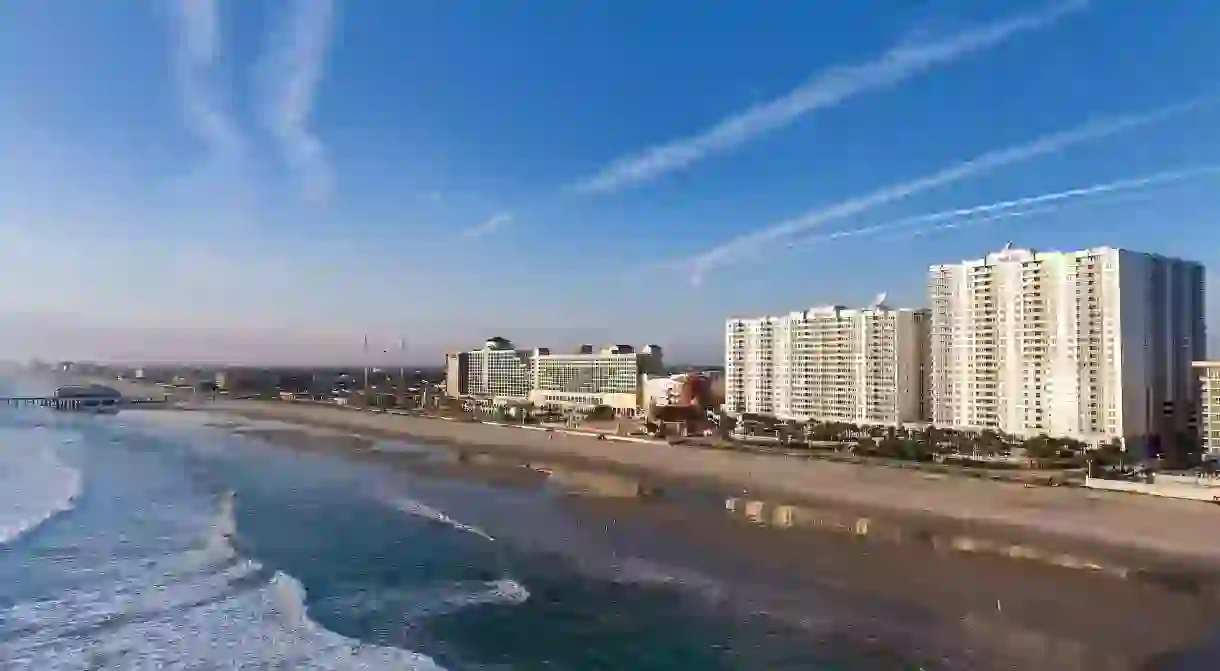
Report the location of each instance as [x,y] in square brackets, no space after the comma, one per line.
[887,596]
[1069,518]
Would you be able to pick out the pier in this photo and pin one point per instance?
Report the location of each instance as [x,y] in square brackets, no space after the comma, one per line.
[75,402]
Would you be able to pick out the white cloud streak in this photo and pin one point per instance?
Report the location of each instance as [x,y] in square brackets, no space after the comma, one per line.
[494,223]
[987,219]
[825,90]
[702,263]
[196,51]
[293,69]
[1049,208]
[1010,208]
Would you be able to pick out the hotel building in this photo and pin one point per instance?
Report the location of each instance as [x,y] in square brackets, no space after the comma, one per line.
[496,371]
[1208,373]
[1093,344]
[612,376]
[829,363]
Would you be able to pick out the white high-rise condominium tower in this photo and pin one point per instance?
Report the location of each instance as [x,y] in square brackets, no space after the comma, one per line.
[829,363]
[1094,344]
[1208,373]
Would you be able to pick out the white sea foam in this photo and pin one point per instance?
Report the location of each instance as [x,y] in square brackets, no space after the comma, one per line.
[420,602]
[208,608]
[413,507]
[35,484]
[505,591]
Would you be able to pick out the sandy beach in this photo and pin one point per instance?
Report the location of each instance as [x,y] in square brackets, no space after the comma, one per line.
[676,518]
[1069,518]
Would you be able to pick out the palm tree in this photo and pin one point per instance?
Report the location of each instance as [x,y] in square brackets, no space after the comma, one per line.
[526,410]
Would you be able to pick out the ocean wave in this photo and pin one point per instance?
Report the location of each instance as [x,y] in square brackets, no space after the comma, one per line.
[35,484]
[417,603]
[206,608]
[644,572]
[418,509]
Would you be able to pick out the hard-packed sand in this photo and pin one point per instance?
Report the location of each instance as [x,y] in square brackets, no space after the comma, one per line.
[1183,530]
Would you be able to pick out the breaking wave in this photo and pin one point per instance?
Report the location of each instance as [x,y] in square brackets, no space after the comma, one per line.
[35,484]
[202,607]
[418,603]
[413,507]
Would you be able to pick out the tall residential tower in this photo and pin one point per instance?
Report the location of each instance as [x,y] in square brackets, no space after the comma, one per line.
[1094,344]
[1208,373]
[829,363]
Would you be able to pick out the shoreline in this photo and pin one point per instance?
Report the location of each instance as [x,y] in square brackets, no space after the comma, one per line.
[913,596]
[1085,528]
[751,560]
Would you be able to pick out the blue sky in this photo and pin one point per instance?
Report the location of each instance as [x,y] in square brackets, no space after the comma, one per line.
[233,181]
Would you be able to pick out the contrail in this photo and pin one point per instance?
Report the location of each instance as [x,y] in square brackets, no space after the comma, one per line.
[196,48]
[991,218]
[992,160]
[1033,211]
[293,68]
[1117,186]
[826,90]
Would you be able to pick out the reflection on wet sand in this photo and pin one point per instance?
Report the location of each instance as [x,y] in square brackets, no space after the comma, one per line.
[1183,580]
[784,516]
[599,483]
[1052,652]
[936,595]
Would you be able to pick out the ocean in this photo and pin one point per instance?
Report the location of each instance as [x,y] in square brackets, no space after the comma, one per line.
[170,540]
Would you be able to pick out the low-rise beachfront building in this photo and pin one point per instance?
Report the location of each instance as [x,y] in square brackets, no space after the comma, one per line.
[682,389]
[1209,406]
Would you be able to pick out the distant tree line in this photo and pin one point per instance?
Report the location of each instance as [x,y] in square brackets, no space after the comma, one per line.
[931,443]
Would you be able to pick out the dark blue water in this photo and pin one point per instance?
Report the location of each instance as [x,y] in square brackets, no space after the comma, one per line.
[164,540]
[173,544]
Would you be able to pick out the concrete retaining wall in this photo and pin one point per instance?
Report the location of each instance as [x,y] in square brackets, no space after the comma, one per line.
[1173,490]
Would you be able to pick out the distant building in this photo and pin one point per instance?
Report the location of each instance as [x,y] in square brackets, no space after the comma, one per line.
[245,380]
[498,371]
[662,391]
[1208,373]
[501,373]
[613,377]
[681,389]
[1094,344]
[457,365]
[226,380]
[830,364]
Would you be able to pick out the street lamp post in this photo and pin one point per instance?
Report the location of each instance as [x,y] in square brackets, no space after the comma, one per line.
[402,372]
[366,368]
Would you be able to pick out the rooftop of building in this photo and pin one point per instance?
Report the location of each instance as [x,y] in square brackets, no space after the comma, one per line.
[609,350]
[504,344]
[879,306]
[1011,254]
